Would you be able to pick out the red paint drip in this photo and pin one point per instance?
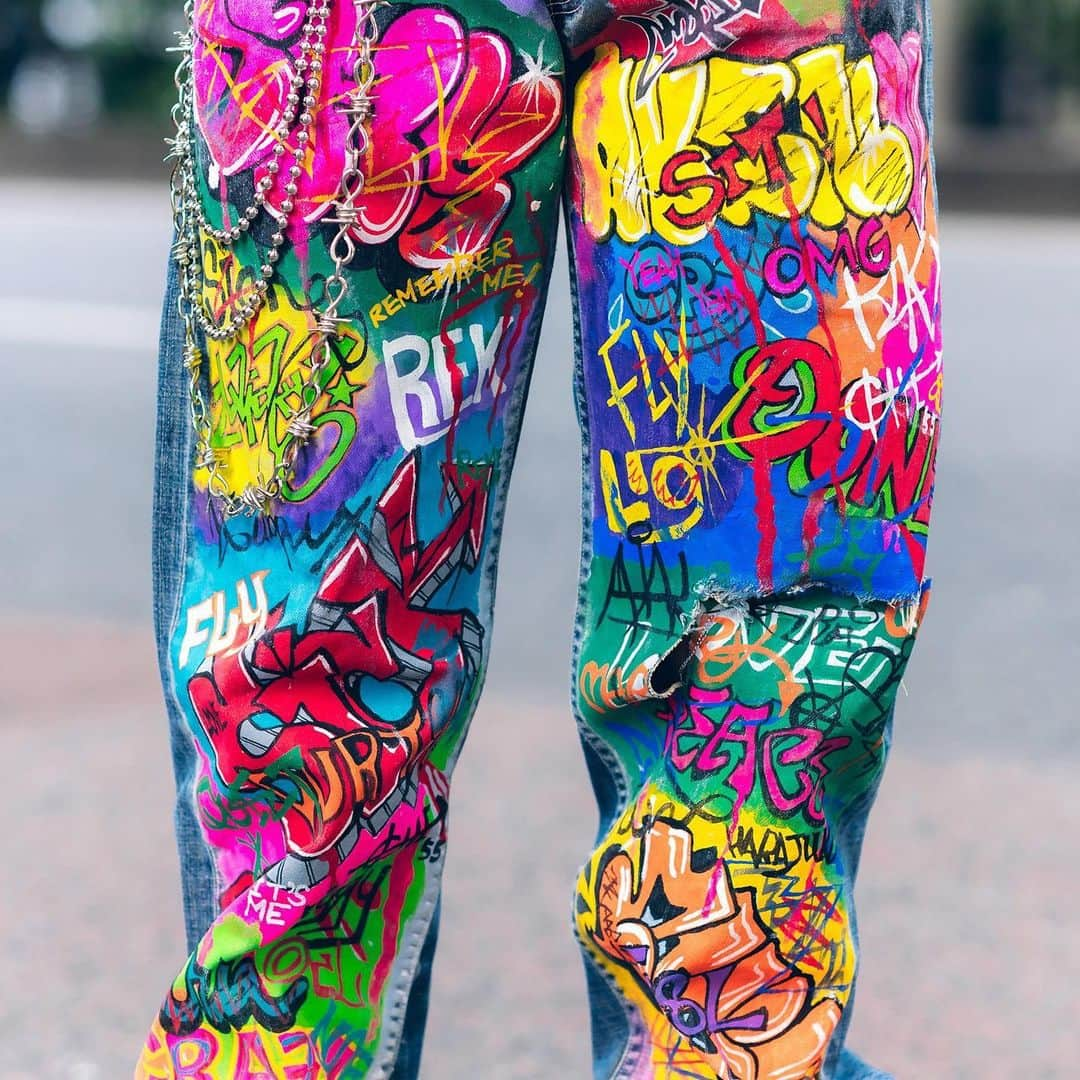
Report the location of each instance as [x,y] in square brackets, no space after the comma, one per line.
[457,381]
[397,886]
[517,318]
[809,270]
[766,515]
[841,498]
[811,526]
[738,275]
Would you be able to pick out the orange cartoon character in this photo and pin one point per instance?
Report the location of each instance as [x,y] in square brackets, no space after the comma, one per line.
[671,915]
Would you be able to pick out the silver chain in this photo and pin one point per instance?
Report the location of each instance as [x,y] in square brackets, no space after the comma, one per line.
[190,223]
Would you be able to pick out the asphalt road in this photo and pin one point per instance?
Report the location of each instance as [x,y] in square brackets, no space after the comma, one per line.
[971,934]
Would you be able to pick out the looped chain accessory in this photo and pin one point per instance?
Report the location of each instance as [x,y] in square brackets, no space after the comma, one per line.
[191,223]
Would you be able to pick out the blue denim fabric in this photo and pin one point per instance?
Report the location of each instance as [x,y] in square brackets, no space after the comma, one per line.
[748,195]
[172,456]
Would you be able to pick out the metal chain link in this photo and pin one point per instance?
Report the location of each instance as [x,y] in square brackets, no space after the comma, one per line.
[189,221]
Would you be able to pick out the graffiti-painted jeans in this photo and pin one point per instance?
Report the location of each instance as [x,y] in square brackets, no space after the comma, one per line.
[749,200]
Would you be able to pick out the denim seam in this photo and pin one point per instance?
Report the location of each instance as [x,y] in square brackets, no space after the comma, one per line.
[170,688]
[167,672]
[636,1043]
[400,981]
[489,572]
[631,1051]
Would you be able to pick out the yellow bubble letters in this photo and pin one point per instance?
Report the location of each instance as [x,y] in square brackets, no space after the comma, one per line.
[715,139]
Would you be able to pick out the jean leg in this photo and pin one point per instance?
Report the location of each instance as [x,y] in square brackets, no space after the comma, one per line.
[751,212]
[719,902]
[323,661]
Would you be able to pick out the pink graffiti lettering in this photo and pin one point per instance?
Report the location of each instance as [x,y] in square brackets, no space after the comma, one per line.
[449,90]
[450,123]
[740,747]
[788,269]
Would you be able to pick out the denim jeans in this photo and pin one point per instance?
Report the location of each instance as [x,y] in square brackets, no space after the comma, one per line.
[748,193]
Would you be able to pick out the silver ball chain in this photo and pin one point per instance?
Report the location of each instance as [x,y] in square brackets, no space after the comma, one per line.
[190,220]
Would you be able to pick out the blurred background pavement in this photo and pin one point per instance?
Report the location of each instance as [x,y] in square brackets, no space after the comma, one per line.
[971,934]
